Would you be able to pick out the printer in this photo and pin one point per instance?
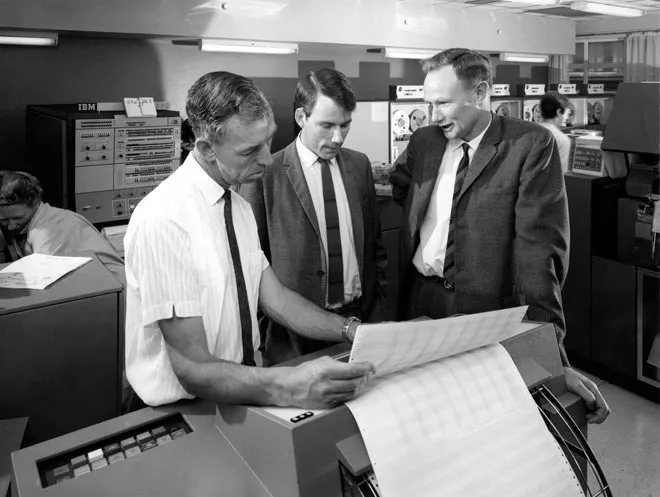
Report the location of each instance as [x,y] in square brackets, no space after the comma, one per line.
[200,448]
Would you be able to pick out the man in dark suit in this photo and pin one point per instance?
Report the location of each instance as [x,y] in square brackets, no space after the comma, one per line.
[317,216]
[485,215]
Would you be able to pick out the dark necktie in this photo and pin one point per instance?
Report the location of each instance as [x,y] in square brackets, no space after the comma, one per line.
[335,260]
[243,303]
[449,268]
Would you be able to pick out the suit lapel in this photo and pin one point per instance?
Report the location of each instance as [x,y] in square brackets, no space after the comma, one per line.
[484,154]
[297,178]
[351,186]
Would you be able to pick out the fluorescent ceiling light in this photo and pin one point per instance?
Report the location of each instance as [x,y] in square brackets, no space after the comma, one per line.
[28,39]
[610,10]
[235,46]
[535,2]
[409,53]
[523,57]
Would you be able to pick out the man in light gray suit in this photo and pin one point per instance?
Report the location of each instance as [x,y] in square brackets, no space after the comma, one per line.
[318,221]
[485,215]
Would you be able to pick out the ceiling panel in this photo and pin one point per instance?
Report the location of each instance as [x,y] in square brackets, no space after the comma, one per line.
[561,10]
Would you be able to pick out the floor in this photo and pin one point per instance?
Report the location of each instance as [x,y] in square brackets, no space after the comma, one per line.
[627,444]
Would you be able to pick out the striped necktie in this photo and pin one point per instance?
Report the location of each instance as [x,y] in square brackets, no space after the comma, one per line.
[243,303]
[449,267]
[335,258]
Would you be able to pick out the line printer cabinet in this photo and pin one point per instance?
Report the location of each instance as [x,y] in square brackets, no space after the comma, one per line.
[61,352]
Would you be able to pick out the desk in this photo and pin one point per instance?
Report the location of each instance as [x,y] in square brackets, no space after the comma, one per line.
[61,352]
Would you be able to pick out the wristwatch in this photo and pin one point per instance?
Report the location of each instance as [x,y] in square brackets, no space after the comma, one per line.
[349,322]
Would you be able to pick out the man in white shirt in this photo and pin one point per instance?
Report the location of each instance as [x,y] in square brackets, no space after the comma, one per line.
[28,225]
[196,273]
[554,107]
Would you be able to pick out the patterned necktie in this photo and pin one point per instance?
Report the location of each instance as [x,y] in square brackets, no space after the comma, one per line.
[243,303]
[449,268]
[335,259]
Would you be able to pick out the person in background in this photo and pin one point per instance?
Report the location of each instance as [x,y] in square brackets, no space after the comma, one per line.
[317,215]
[536,113]
[196,273]
[28,225]
[503,110]
[569,115]
[187,139]
[485,214]
[553,109]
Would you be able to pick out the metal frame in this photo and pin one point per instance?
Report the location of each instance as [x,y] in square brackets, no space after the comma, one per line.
[641,272]
[548,404]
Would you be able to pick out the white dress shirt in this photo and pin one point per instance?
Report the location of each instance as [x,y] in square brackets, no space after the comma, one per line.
[178,261]
[563,144]
[312,170]
[429,259]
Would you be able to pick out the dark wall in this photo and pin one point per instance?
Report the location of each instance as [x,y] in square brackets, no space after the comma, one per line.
[84,69]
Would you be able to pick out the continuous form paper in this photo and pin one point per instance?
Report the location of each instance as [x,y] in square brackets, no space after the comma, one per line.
[462,426]
[396,346]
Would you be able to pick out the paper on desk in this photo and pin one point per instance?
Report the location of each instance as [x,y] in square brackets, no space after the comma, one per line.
[37,271]
[392,347]
[463,426]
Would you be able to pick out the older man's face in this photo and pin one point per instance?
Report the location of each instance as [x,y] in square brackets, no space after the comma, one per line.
[15,218]
[244,152]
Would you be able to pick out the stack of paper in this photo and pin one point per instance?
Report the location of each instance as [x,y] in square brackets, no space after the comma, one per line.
[37,271]
[449,415]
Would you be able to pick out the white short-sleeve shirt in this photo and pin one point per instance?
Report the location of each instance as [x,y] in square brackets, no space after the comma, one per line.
[178,261]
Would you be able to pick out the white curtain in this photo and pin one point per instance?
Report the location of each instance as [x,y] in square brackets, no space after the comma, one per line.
[559,69]
[642,57]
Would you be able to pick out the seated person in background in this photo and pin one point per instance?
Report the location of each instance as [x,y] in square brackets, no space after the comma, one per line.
[554,106]
[30,226]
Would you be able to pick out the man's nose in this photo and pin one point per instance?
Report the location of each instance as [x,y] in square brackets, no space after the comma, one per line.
[265,158]
[437,115]
[337,136]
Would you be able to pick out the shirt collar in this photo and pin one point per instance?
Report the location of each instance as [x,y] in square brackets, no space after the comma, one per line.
[35,217]
[456,143]
[211,190]
[306,156]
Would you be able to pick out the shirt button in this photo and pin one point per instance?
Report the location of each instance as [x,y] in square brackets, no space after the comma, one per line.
[320,273]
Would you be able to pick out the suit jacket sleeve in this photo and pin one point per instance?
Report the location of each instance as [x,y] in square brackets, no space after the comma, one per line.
[380,254]
[542,235]
[401,175]
[254,193]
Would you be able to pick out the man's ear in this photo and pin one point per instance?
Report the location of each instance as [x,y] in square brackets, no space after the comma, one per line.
[205,148]
[482,92]
[300,117]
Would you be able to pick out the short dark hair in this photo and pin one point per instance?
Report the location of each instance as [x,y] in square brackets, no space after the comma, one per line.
[552,102]
[19,188]
[218,96]
[470,67]
[328,82]
[187,133]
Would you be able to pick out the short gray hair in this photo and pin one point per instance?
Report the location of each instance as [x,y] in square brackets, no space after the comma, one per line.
[471,67]
[218,96]
[19,188]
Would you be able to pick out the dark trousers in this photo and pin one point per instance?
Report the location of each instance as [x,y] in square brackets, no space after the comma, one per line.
[427,297]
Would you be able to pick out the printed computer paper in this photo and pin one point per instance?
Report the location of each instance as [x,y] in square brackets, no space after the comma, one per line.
[393,347]
[463,425]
